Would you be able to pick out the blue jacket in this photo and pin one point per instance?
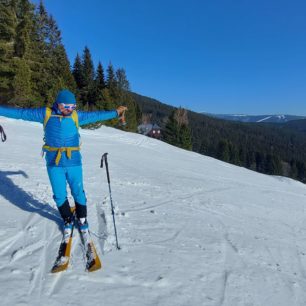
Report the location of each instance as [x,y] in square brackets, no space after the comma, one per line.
[59,132]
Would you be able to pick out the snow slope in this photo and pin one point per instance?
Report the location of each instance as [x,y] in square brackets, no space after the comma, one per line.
[193,230]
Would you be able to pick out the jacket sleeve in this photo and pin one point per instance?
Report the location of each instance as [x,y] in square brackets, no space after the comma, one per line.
[92,117]
[28,114]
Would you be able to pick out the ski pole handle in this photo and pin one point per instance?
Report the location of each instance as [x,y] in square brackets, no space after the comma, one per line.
[3,136]
[104,158]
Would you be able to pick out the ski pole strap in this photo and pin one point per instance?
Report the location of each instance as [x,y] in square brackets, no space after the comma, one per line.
[3,135]
[59,151]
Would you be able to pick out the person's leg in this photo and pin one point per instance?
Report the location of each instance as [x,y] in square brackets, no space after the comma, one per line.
[57,176]
[75,181]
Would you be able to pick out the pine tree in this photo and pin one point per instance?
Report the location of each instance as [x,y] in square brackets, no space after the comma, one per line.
[177,131]
[28,59]
[171,130]
[23,29]
[87,91]
[88,67]
[39,58]
[77,72]
[22,83]
[54,38]
[59,69]
[293,169]
[42,22]
[122,82]
[100,78]
[301,169]
[8,25]
[111,82]
[99,85]
[223,150]
[260,162]
[185,137]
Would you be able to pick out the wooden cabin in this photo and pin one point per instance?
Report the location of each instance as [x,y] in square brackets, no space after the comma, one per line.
[150,130]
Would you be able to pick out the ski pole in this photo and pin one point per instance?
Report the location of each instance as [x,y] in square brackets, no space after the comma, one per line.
[104,158]
[3,136]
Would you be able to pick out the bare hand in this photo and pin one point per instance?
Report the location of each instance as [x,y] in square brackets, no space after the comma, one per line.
[121,110]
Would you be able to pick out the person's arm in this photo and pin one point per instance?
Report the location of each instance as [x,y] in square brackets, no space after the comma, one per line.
[28,114]
[92,117]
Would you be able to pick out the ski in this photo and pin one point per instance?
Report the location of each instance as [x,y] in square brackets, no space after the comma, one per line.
[93,261]
[63,257]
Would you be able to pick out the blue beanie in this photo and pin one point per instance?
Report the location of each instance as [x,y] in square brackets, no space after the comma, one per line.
[65,96]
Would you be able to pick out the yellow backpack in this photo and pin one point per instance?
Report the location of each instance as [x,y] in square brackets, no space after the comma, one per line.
[67,150]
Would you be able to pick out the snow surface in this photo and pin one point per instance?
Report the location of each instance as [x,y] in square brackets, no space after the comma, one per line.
[193,230]
[266,118]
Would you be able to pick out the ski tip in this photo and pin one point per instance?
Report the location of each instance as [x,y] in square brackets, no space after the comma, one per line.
[94,268]
[60,268]
[95,265]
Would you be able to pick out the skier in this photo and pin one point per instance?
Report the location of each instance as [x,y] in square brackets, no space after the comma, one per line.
[62,148]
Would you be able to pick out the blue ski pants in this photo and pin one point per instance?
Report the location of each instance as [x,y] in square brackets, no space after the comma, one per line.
[60,176]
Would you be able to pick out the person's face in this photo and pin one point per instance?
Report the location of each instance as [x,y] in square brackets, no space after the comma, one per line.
[66,109]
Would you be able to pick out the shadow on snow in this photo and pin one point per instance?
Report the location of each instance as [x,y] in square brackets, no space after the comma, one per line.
[24,200]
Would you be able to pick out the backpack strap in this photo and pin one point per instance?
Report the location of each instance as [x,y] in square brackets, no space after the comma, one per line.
[74,117]
[68,150]
[47,116]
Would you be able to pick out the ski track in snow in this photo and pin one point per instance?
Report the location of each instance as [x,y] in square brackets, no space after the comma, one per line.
[193,230]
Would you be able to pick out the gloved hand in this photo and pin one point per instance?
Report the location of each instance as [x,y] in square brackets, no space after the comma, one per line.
[120,110]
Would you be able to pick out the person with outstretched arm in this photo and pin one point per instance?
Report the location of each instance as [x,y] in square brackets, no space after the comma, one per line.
[62,151]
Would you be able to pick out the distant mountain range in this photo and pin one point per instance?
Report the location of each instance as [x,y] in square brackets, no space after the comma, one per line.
[257,118]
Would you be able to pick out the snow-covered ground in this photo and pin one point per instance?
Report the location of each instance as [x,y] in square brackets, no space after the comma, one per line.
[193,230]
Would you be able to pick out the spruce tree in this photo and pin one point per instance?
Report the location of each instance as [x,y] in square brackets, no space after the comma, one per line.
[171,130]
[100,78]
[111,82]
[99,85]
[122,82]
[22,83]
[88,70]
[185,137]
[8,23]
[42,21]
[177,131]
[77,72]
[39,57]
[28,59]
[223,150]
[61,76]
[88,67]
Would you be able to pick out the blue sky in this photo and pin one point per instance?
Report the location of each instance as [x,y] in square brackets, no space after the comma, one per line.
[218,56]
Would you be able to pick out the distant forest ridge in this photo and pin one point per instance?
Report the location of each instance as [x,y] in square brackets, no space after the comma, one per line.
[270,148]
